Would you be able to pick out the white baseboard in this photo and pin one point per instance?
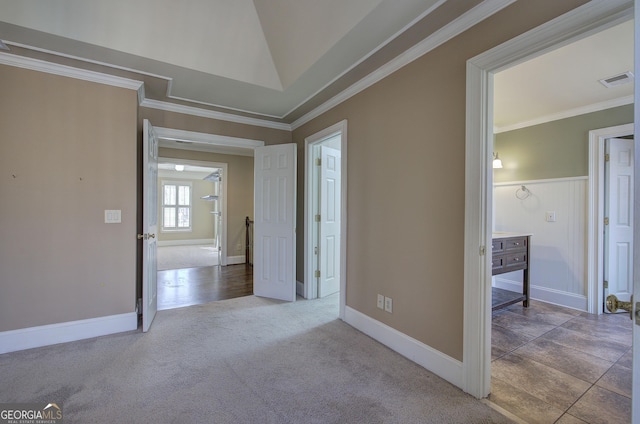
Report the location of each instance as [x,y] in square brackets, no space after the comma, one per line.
[545,294]
[44,335]
[433,360]
[300,288]
[185,242]
[235,260]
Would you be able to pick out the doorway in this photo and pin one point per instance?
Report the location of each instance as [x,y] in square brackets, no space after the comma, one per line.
[478,195]
[219,271]
[325,213]
[597,199]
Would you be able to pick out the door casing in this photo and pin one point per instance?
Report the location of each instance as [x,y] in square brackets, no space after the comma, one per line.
[595,217]
[310,290]
[581,22]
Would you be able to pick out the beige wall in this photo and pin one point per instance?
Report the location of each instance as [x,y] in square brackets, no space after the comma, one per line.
[554,149]
[239,191]
[406,167]
[67,153]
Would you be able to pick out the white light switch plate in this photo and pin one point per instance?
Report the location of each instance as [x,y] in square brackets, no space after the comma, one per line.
[112,216]
[550,216]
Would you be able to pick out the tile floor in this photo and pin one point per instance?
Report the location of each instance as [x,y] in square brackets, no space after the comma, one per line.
[556,365]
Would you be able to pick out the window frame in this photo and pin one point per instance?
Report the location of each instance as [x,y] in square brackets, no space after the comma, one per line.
[176,206]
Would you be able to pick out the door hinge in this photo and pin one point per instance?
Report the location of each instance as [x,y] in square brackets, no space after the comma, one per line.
[318,218]
[606,157]
[606,284]
[483,250]
[606,220]
[317,274]
[318,162]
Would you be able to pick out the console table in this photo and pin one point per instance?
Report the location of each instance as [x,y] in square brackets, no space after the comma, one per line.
[510,252]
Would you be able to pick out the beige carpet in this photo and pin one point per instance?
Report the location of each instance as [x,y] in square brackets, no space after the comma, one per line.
[178,257]
[245,360]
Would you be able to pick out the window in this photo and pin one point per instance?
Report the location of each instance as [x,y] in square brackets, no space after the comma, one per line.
[176,206]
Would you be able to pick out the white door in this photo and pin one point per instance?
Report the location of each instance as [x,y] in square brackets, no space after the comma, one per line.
[329,249]
[274,264]
[618,234]
[149,226]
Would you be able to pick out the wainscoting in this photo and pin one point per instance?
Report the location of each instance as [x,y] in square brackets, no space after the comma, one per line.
[558,272]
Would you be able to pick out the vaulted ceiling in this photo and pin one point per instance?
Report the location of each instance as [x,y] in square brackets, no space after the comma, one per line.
[279,59]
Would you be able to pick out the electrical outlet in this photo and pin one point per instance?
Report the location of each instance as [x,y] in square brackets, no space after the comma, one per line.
[388,304]
[380,301]
[550,216]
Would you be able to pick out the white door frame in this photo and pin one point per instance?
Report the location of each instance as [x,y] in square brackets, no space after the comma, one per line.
[579,23]
[595,219]
[231,146]
[310,286]
[223,197]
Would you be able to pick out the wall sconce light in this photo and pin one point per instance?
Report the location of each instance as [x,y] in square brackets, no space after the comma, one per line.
[180,168]
[497,162]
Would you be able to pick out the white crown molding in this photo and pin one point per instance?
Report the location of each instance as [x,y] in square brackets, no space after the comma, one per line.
[596,107]
[446,33]
[71,72]
[101,78]
[204,113]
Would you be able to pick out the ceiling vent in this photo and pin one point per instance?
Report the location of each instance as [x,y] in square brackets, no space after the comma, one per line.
[616,80]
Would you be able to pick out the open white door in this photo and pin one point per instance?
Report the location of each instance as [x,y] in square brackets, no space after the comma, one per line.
[149,226]
[329,279]
[618,234]
[274,264]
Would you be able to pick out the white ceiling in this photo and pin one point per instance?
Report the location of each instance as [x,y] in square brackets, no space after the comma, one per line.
[565,81]
[274,58]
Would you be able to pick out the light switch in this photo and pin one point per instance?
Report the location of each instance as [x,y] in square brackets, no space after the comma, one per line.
[550,216]
[112,216]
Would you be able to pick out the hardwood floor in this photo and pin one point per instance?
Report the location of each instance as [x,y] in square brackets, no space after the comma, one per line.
[194,286]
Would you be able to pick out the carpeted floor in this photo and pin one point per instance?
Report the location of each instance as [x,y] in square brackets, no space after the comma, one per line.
[244,360]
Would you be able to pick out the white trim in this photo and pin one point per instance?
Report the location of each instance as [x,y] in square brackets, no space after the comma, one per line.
[433,360]
[547,181]
[578,23]
[595,213]
[441,36]
[212,114]
[596,107]
[235,260]
[311,290]
[205,138]
[70,72]
[45,335]
[193,242]
[545,294]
